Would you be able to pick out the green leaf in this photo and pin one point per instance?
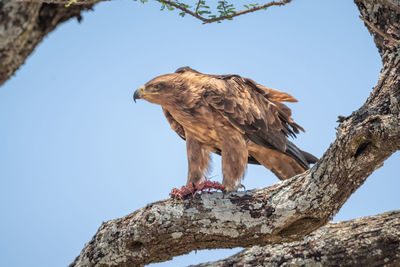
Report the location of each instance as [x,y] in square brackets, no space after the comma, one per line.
[204,12]
[70,2]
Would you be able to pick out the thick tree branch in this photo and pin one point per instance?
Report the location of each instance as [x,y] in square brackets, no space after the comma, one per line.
[23,26]
[368,241]
[285,212]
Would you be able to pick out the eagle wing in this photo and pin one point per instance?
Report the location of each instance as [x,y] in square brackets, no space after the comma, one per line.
[174,124]
[256,111]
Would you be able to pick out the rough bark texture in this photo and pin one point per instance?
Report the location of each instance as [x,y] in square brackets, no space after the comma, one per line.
[282,213]
[369,241]
[23,26]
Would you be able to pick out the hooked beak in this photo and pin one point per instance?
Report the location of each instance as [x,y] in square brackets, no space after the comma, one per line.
[138,93]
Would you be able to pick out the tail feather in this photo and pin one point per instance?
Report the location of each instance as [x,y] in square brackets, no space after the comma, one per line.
[311,159]
[302,157]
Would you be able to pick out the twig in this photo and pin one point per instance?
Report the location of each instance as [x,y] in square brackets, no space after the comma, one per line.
[381,33]
[183,9]
[198,6]
[242,12]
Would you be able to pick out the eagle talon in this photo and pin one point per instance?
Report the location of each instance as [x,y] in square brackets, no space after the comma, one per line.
[234,188]
[239,186]
[193,188]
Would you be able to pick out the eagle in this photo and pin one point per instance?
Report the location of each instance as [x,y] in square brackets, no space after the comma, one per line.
[230,115]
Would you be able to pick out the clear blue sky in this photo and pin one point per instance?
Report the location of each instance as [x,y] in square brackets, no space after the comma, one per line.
[75,150]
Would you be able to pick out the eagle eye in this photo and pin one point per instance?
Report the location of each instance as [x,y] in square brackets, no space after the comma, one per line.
[158,86]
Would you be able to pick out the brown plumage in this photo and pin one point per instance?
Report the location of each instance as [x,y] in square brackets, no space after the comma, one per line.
[230,115]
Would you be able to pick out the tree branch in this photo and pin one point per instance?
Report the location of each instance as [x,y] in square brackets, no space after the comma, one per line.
[368,241]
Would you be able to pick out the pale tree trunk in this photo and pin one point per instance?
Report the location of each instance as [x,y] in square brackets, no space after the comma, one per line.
[274,216]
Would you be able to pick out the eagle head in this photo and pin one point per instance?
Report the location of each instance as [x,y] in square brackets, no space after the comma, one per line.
[155,91]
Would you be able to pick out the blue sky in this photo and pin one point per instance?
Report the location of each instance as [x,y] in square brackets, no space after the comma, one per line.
[75,150]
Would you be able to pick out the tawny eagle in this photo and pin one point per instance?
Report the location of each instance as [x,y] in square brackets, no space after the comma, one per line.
[233,116]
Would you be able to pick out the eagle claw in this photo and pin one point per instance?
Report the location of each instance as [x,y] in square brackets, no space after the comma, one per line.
[193,188]
[234,188]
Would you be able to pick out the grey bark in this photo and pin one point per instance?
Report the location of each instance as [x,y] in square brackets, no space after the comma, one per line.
[368,241]
[24,25]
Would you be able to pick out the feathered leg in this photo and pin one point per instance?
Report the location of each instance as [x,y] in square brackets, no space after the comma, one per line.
[198,159]
[234,159]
